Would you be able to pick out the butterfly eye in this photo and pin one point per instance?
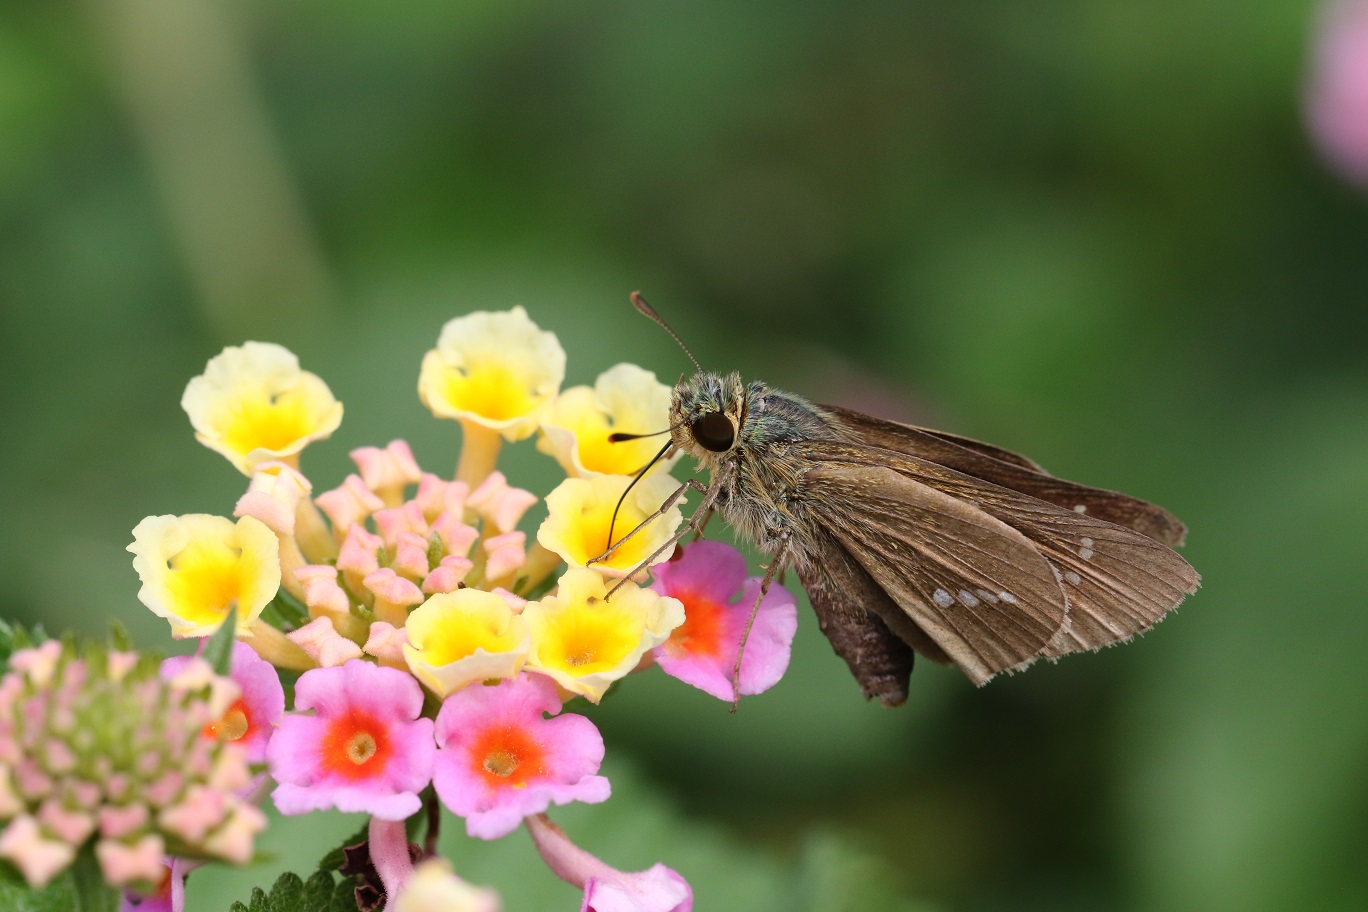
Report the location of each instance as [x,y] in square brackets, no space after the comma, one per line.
[714,431]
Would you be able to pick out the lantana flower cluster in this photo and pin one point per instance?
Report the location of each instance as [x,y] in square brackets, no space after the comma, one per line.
[437,643]
[99,748]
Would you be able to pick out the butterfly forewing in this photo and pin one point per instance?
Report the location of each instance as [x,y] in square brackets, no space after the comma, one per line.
[977,587]
[1010,470]
[1117,581]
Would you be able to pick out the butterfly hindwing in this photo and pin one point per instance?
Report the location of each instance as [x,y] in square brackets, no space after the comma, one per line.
[972,584]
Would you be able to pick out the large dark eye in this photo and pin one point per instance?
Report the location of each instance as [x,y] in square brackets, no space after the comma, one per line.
[714,432]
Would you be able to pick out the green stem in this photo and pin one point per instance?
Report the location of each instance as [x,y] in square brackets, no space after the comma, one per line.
[92,893]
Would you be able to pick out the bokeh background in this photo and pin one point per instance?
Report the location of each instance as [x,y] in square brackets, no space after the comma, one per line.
[1094,231]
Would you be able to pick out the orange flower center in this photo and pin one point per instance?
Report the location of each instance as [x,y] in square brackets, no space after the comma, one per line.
[703,630]
[509,756]
[356,746]
[235,725]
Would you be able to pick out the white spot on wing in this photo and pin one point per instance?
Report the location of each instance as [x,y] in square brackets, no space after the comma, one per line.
[1086,553]
[942,598]
[1007,597]
[1086,542]
[1073,577]
[968,598]
[1080,508]
[986,596]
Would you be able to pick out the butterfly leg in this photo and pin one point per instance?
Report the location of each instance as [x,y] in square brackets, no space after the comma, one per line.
[710,497]
[707,515]
[775,567]
[693,483]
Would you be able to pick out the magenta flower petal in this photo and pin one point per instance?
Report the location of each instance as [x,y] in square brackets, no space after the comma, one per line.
[606,889]
[252,719]
[709,569]
[710,580]
[656,889]
[364,749]
[501,760]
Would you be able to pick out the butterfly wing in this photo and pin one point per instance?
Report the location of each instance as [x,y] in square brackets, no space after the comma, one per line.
[977,588]
[1115,580]
[1010,470]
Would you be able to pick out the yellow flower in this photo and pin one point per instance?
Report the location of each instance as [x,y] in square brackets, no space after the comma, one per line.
[626,399]
[194,568]
[495,369]
[580,510]
[458,638]
[586,641]
[253,404]
[434,887]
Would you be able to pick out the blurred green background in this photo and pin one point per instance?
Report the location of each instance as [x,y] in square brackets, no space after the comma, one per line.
[1089,230]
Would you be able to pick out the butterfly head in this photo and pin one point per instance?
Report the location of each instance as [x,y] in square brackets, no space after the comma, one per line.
[706,414]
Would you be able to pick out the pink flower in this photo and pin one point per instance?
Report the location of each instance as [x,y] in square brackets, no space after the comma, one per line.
[364,749]
[606,889]
[1337,97]
[710,579]
[501,760]
[169,894]
[322,643]
[387,471]
[251,718]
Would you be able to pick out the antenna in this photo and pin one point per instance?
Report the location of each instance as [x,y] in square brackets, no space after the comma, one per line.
[648,311]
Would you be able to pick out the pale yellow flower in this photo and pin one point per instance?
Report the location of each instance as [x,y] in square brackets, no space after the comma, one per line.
[458,638]
[496,369]
[253,404]
[580,510]
[625,399]
[194,568]
[434,888]
[586,641]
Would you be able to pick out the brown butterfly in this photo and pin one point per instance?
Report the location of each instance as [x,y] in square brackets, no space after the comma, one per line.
[910,540]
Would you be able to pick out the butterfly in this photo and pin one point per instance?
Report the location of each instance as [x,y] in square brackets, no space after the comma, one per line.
[914,541]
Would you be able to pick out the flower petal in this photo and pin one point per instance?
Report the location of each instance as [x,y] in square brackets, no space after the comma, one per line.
[496,369]
[253,404]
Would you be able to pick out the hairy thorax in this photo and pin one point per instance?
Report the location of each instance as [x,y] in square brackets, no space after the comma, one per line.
[760,481]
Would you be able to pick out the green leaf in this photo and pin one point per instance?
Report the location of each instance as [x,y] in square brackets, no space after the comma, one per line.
[285,612]
[119,637]
[14,637]
[290,893]
[218,649]
[287,893]
[318,892]
[7,647]
[344,896]
[58,896]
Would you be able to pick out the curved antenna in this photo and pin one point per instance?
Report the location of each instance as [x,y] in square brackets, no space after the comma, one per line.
[648,311]
[612,523]
[623,438]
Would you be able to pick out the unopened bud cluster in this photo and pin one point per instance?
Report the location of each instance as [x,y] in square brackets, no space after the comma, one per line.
[95,745]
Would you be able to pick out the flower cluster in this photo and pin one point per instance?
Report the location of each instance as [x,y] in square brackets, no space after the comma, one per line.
[98,746]
[435,643]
